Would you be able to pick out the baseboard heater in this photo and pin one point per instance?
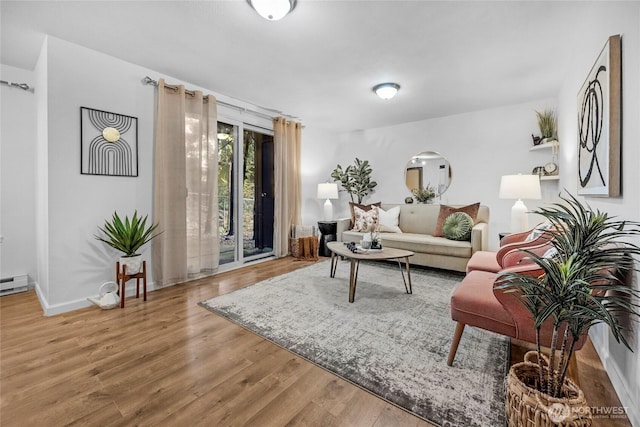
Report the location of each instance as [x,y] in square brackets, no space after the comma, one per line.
[15,284]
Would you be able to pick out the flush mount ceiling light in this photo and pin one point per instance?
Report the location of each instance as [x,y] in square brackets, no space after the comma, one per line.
[272,10]
[386,90]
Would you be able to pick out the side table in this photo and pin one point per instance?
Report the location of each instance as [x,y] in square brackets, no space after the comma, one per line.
[502,234]
[328,233]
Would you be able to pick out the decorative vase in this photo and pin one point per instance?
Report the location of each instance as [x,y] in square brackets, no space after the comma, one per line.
[133,263]
[527,406]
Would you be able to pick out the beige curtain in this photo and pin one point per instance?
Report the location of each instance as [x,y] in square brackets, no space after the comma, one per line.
[185,187]
[288,200]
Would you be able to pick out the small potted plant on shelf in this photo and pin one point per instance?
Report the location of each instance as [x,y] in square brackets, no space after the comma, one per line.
[424,195]
[548,126]
[581,284]
[355,179]
[128,237]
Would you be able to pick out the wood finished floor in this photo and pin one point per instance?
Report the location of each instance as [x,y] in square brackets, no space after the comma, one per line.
[170,362]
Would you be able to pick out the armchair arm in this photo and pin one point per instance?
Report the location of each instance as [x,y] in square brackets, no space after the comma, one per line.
[510,255]
[343,225]
[515,238]
[479,237]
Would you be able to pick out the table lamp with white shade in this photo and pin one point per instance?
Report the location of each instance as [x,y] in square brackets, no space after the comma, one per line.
[520,187]
[328,190]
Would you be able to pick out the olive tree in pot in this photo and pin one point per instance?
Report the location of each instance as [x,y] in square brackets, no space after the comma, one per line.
[582,284]
[128,237]
[355,179]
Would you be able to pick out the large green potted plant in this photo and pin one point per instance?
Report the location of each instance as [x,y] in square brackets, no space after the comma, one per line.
[128,237]
[355,179]
[582,284]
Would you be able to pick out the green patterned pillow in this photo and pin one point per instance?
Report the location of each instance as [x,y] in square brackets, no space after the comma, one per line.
[457,226]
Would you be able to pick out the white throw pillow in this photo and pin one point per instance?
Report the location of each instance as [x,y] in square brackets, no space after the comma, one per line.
[388,220]
[365,221]
[550,253]
[538,231]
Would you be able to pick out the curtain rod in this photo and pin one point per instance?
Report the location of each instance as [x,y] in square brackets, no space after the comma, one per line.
[22,86]
[149,81]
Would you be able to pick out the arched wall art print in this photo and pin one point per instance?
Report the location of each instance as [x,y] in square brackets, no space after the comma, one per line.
[108,143]
[600,126]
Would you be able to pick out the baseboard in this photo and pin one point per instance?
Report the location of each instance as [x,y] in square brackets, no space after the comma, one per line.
[617,379]
[54,309]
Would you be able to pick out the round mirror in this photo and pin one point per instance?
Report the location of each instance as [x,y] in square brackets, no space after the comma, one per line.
[428,169]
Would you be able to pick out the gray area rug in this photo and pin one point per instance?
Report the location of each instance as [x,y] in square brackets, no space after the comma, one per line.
[387,342]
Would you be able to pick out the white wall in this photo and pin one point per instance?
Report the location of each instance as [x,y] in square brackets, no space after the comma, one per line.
[604,20]
[71,263]
[77,204]
[319,154]
[481,147]
[17,175]
[42,178]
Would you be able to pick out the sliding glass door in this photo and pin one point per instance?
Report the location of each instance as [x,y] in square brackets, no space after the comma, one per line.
[258,187]
[246,192]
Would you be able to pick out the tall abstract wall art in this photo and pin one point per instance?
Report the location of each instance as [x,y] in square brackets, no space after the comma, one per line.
[599,125]
[108,143]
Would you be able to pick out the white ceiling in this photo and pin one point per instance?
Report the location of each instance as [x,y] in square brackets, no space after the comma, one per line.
[320,62]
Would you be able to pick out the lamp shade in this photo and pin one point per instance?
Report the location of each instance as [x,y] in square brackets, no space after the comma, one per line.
[327,190]
[520,187]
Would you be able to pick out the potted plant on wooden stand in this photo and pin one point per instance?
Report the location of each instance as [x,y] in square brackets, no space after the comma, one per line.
[355,179]
[128,237]
[582,284]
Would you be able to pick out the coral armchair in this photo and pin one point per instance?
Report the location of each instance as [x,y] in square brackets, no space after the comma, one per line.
[477,302]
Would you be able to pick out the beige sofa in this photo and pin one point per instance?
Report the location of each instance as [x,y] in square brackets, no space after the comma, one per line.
[418,223]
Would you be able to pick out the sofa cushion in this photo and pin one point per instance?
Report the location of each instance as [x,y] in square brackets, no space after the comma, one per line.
[483,261]
[445,211]
[473,303]
[417,218]
[420,243]
[363,207]
[457,226]
[365,220]
[388,220]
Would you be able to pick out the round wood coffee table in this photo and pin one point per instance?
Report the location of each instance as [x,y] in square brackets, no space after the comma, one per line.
[340,249]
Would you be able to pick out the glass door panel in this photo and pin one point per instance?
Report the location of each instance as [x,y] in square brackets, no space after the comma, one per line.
[226,190]
[245,192]
[258,193]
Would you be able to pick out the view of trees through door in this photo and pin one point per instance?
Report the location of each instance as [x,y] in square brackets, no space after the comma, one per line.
[245,192]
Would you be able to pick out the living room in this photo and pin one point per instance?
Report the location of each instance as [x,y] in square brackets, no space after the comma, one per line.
[50,235]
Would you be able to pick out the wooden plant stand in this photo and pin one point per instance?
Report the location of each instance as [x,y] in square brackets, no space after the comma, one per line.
[122,278]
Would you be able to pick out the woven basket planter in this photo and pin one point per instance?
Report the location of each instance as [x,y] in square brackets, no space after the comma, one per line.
[526,406]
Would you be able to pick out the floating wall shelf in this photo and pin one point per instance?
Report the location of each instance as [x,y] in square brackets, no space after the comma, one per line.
[545,146]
